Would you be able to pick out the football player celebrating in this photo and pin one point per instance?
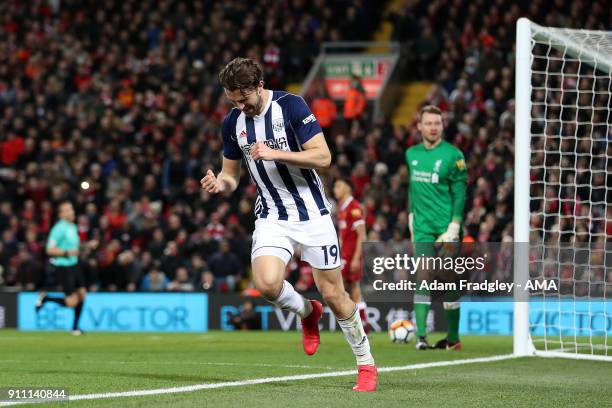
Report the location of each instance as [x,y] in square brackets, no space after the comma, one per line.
[282,144]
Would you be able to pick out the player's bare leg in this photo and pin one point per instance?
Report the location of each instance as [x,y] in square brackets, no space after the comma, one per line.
[331,287]
[269,279]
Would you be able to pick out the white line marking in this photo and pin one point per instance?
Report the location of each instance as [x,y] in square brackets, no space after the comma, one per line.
[310,367]
[207,386]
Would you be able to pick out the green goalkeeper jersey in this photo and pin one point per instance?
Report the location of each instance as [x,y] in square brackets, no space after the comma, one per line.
[438,180]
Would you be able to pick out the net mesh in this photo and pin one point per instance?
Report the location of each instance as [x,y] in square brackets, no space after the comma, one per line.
[571,197]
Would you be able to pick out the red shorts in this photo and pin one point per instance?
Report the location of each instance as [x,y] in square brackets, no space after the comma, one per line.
[346,270]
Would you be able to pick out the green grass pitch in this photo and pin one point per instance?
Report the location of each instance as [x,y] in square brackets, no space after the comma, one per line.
[115,362]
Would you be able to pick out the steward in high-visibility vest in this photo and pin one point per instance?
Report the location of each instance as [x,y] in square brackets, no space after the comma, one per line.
[325,111]
[355,102]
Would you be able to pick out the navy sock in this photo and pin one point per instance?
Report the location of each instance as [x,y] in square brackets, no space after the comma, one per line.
[77,315]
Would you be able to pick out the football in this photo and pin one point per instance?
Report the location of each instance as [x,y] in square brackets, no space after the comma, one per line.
[402,331]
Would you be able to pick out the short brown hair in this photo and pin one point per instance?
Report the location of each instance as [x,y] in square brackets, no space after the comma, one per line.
[241,74]
[429,109]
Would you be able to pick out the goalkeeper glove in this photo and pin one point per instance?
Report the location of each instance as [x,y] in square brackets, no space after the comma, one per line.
[451,234]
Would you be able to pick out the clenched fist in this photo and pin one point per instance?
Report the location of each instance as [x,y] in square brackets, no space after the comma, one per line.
[211,184]
[261,151]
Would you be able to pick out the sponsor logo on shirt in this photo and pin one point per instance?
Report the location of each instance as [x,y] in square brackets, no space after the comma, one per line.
[276,144]
[309,118]
[421,176]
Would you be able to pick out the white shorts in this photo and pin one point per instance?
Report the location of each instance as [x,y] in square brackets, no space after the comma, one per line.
[317,238]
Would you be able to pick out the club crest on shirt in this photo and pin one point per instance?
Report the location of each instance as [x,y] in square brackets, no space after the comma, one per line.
[278,125]
[437,166]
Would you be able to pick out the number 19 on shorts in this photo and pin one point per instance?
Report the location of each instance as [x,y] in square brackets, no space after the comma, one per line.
[330,251]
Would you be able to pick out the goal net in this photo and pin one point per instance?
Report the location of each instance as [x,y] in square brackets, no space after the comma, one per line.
[563,197]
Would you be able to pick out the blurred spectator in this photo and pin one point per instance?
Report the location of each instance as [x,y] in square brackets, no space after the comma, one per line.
[181,282]
[206,281]
[172,259]
[247,318]
[133,267]
[355,103]
[324,109]
[11,148]
[23,270]
[215,228]
[154,281]
[427,49]
[226,268]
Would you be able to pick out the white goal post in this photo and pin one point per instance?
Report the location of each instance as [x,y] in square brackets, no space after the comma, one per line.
[562,196]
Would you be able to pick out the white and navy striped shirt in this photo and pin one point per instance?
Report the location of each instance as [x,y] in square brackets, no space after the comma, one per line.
[285,192]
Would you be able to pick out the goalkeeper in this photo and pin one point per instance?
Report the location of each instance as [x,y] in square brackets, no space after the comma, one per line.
[438,180]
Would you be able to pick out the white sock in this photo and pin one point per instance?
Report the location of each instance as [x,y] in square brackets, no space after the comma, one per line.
[289,299]
[356,337]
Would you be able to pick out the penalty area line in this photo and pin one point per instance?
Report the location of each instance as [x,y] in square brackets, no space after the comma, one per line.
[266,380]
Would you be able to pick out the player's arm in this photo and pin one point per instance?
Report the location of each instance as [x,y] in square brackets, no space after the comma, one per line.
[409,199]
[458,187]
[55,251]
[226,181]
[360,229]
[316,154]
[229,177]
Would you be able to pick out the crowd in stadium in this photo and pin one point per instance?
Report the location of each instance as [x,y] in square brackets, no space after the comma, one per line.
[116,106]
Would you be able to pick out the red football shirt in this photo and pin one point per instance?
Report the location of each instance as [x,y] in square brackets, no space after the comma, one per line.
[350,215]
